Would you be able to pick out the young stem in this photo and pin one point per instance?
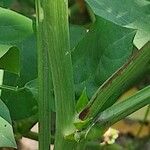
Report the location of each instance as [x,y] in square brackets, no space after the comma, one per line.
[9,88]
[119,111]
[31,135]
[55,14]
[44,80]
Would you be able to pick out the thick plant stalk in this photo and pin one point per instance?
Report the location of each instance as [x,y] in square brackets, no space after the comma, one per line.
[55,15]
[44,80]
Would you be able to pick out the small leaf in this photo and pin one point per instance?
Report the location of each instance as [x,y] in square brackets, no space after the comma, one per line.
[6,131]
[9,58]
[82,101]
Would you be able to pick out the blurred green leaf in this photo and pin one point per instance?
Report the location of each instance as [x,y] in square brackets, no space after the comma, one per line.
[130,13]
[13,27]
[6,131]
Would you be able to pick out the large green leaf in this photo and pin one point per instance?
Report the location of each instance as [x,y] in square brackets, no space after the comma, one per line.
[100,53]
[130,13]
[21,101]
[6,131]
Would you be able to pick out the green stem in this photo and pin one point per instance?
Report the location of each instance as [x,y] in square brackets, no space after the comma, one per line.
[9,88]
[44,78]
[34,136]
[55,16]
[119,111]
[31,135]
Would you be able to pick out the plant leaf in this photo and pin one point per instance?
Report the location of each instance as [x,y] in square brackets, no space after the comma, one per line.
[129,13]
[104,49]
[9,58]
[6,131]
